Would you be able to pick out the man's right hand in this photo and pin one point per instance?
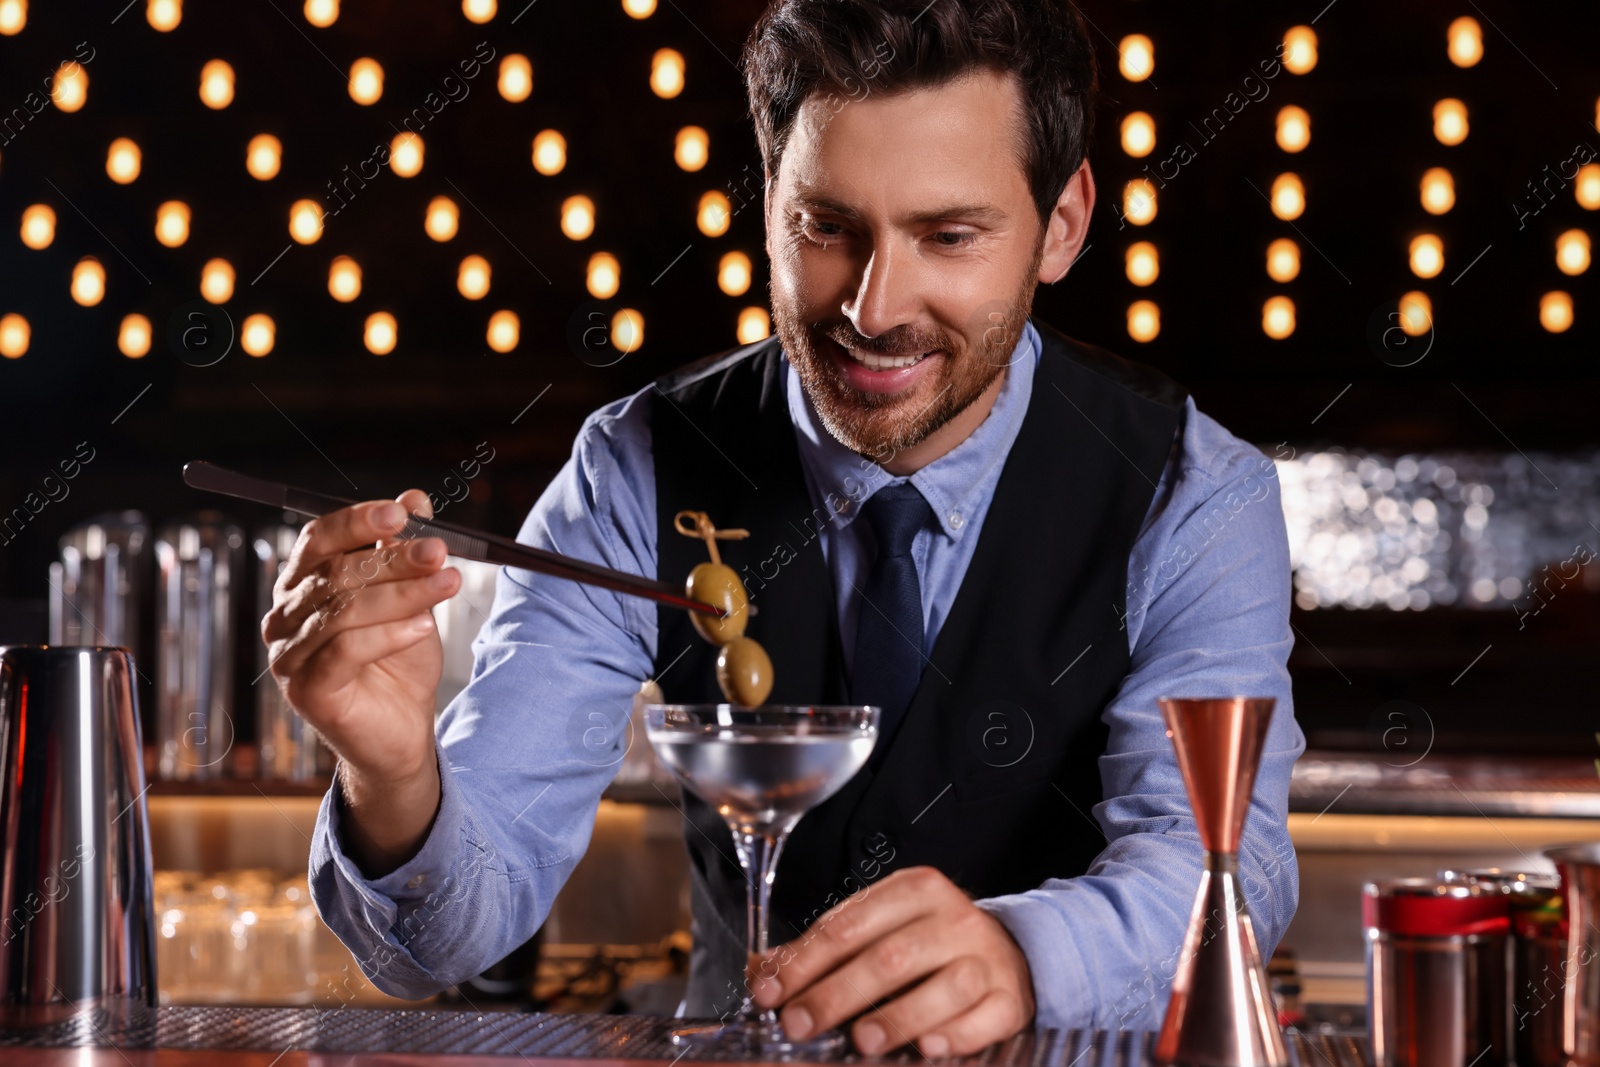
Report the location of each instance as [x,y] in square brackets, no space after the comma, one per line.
[352,644]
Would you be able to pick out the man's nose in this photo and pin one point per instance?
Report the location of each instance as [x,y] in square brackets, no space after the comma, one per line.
[889,292]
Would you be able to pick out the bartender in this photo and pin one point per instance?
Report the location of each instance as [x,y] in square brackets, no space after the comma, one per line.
[1010,541]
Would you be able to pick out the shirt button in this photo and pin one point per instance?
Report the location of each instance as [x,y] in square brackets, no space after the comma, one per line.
[956,520]
[418,880]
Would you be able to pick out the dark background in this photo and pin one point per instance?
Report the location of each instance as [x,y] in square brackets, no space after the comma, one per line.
[323,412]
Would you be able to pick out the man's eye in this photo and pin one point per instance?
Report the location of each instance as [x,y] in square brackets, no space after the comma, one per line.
[957,239]
[819,228]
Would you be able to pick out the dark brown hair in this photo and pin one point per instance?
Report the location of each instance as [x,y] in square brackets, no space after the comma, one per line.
[849,49]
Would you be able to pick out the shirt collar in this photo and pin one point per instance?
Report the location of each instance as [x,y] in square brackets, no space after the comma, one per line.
[952,483]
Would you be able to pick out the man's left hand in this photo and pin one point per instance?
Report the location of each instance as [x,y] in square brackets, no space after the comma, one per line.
[957,980]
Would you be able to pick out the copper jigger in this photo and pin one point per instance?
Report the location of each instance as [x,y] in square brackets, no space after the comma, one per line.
[1221,1013]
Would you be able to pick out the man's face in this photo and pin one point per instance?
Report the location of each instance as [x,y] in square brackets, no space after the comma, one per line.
[905,252]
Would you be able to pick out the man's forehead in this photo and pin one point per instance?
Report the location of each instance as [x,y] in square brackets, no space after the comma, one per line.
[974,99]
[953,144]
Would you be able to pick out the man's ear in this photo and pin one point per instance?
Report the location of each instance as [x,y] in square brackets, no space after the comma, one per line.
[1068,225]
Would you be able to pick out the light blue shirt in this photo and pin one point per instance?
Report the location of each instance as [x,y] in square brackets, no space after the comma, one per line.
[1207,615]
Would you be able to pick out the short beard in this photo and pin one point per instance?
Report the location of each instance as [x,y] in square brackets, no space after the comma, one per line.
[871,424]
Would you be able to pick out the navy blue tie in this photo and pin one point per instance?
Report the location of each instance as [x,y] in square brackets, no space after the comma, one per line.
[888,655]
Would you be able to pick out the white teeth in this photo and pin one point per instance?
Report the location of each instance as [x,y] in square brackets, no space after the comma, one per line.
[872,362]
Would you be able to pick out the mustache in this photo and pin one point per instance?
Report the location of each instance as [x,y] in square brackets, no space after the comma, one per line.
[894,343]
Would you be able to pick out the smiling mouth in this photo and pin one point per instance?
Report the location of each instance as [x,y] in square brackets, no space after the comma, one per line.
[876,362]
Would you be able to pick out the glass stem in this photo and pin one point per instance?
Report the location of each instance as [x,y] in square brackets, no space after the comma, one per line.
[758,855]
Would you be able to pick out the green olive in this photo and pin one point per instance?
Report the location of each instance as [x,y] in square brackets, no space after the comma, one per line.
[744,672]
[718,585]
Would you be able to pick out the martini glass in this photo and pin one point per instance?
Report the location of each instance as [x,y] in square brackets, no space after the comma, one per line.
[761,769]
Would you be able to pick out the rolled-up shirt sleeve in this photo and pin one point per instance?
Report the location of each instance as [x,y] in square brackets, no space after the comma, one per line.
[527,747]
[1207,616]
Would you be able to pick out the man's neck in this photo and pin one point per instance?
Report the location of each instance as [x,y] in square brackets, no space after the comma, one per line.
[908,461]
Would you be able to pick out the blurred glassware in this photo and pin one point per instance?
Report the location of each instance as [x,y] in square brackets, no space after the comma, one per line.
[1412,531]
[301,978]
[98,589]
[179,896]
[201,563]
[271,944]
[242,937]
[289,747]
[214,947]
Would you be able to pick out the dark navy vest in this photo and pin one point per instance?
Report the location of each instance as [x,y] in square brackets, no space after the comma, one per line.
[994,772]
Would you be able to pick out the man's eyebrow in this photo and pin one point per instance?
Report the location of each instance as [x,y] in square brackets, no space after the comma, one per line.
[817,200]
[984,213]
[976,212]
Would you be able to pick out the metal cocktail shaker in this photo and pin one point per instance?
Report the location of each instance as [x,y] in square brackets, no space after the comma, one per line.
[1538,959]
[1579,866]
[1436,973]
[78,923]
[201,563]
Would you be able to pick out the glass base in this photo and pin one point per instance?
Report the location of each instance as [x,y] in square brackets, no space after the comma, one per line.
[757,1037]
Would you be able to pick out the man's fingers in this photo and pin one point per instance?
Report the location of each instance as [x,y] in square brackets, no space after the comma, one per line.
[845,929]
[328,536]
[876,973]
[342,579]
[931,966]
[341,658]
[416,502]
[367,606]
[955,989]
[994,1018]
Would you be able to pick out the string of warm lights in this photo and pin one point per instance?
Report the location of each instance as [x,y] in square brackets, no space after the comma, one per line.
[714,214]
[1587,188]
[405,157]
[1572,247]
[1572,251]
[1136,61]
[69,89]
[1287,195]
[1437,190]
